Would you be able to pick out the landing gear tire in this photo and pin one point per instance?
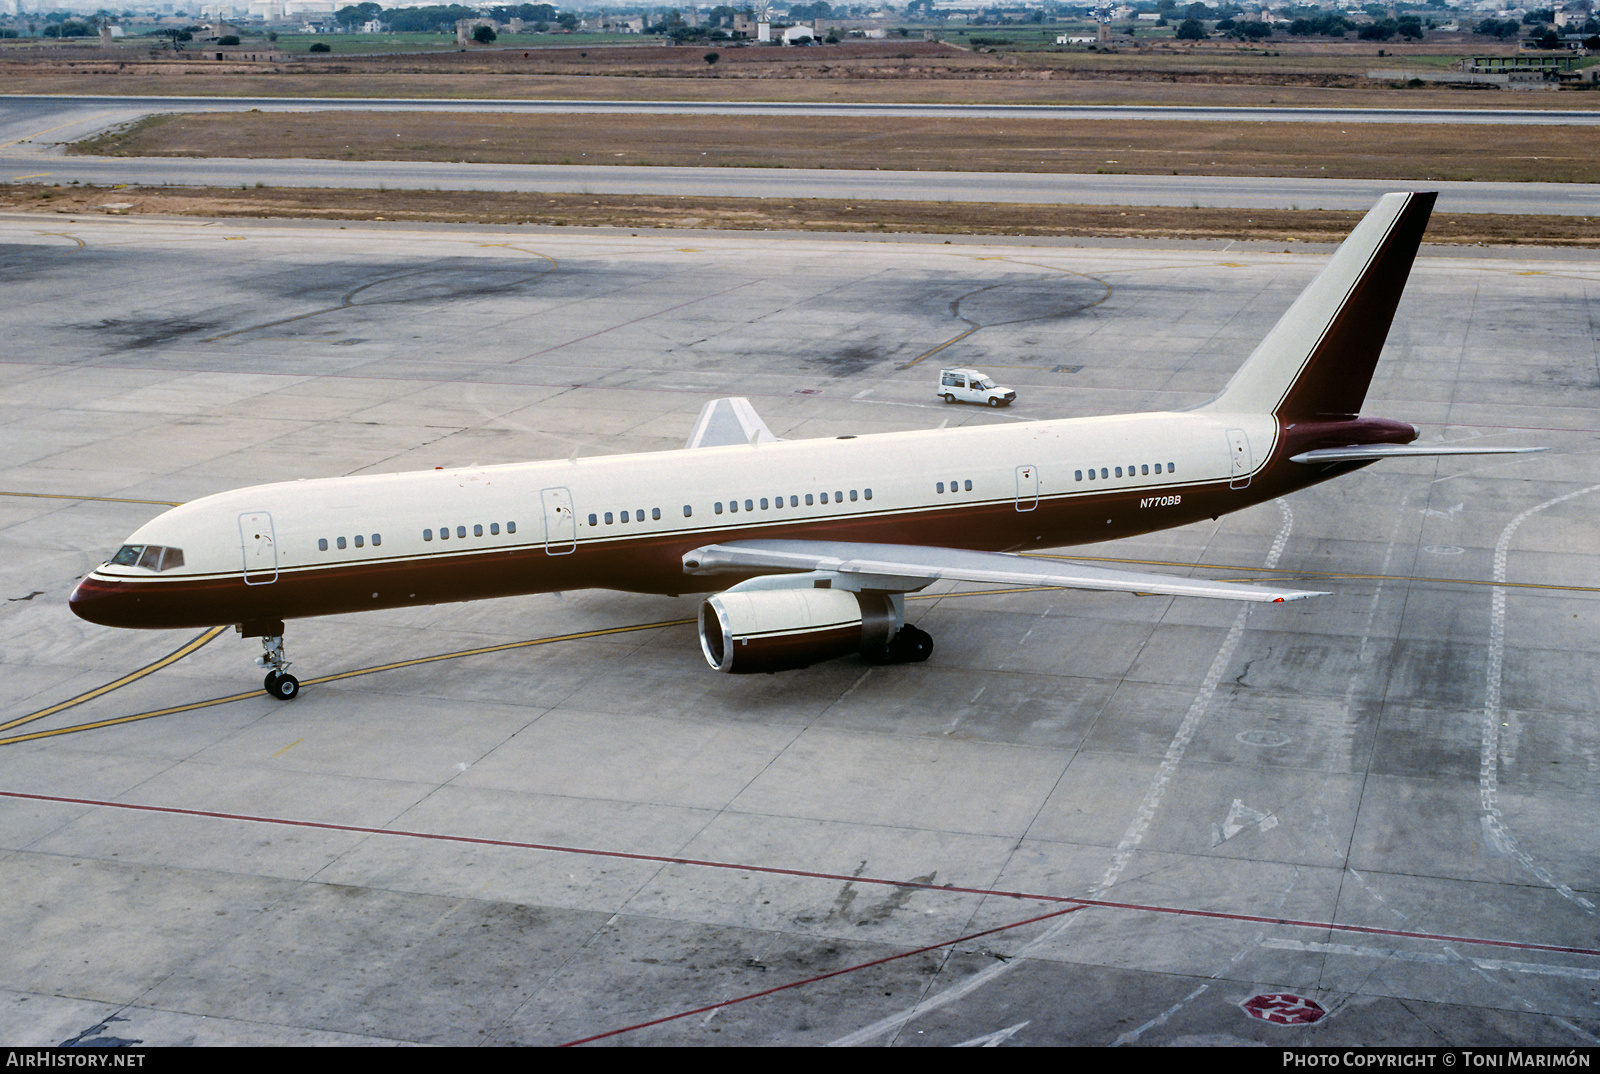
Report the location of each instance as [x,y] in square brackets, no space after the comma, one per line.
[949,398]
[910,646]
[282,687]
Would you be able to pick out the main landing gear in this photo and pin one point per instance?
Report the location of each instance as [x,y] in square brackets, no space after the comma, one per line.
[910,645]
[279,683]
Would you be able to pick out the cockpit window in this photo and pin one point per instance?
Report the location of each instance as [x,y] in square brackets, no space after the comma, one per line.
[153,557]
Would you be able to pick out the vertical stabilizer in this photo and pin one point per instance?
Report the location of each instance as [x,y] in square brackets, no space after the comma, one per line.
[1318,359]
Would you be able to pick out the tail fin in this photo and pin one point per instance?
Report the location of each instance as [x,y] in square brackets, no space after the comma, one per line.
[1316,363]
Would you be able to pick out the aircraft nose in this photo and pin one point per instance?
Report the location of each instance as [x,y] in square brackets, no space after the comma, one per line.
[99,601]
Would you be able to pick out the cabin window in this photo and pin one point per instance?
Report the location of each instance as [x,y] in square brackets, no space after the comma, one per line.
[733,505]
[1077,475]
[716,508]
[1104,473]
[494,530]
[852,495]
[461,531]
[838,497]
[322,542]
[655,514]
[824,497]
[376,540]
[624,518]
[969,486]
[427,535]
[359,541]
[1119,471]
[444,533]
[1171,468]
[794,501]
[477,531]
[594,520]
[511,527]
[1144,469]
[763,503]
[808,499]
[749,505]
[608,518]
[688,511]
[867,493]
[940,486]
[339,542]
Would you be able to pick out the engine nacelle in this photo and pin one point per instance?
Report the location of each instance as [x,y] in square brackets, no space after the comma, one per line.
[782,629]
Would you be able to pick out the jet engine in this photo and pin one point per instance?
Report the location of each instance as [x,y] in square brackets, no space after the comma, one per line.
[782,629]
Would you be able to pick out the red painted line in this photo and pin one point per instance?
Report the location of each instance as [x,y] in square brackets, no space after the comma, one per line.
[818,977]
[809,874]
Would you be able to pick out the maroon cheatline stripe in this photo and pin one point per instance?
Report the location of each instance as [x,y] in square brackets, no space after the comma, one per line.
[811,874]
[818,977]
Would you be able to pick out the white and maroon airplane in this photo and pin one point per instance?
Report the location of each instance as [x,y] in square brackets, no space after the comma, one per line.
[822,538]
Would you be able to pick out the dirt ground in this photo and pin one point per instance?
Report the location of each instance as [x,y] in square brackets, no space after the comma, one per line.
[1404,152]
[936,218]
[1294,72]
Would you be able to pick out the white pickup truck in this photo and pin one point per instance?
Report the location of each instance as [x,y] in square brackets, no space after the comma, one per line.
[971,386]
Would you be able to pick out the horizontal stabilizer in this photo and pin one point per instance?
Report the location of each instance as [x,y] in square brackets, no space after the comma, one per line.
[1372,452]
[912,567]
[726,422]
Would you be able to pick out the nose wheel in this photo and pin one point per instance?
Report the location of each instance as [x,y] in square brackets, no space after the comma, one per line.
[279,683]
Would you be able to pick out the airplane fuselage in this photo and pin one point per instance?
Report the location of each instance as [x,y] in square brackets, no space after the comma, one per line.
[321,547]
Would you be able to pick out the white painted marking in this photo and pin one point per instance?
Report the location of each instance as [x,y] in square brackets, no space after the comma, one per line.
[1242,816]
[1494,829]
[993,1040]
[1433,958]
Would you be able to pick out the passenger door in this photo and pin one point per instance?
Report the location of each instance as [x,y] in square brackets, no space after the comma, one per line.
[259,546]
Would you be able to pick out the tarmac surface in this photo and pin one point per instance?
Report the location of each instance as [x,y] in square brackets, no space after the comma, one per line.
[1088,819]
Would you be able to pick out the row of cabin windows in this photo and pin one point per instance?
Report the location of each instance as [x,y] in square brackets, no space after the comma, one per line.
[637,515]
[1106,472]
[765,503]
[338,542]
[776,502]
[955,486]
[461,531]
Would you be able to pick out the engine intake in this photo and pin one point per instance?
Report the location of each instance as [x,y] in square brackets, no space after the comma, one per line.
[783,629]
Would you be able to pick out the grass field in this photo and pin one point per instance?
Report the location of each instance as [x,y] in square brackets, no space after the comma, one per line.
[1406,152]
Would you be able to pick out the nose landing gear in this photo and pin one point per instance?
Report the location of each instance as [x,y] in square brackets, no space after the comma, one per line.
[279,683]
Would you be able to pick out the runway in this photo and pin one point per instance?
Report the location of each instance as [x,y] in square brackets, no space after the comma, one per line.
[1088,819]
[32,130]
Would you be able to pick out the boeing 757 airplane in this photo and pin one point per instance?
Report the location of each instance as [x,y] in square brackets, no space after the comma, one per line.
[820,539]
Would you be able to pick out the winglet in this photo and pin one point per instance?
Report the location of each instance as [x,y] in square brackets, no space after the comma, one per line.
[1316,363]
[725,422]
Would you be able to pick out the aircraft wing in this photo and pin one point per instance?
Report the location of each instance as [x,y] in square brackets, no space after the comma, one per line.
[1371,452]
[905,568]
[725,422]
